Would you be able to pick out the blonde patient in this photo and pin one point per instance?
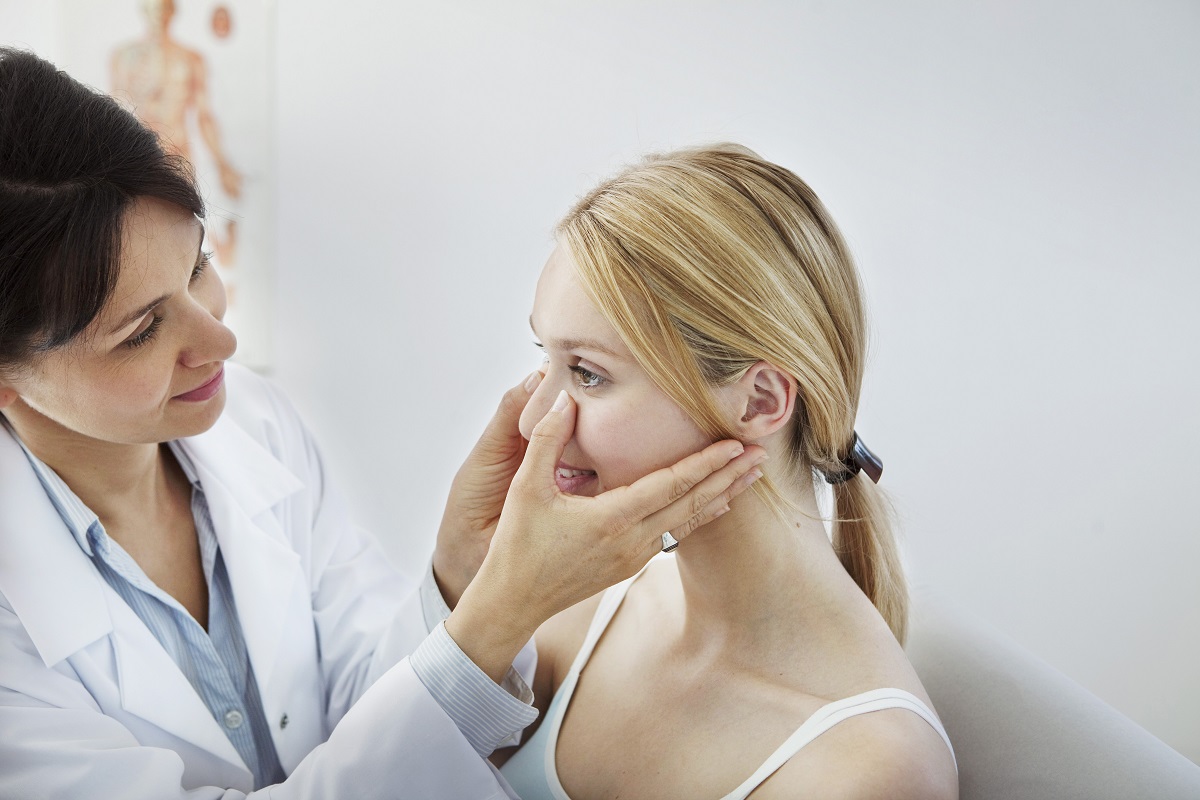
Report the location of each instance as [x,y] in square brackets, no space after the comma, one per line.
[701,295]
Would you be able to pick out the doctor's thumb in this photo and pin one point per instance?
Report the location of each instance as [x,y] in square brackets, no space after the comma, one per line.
[547,442]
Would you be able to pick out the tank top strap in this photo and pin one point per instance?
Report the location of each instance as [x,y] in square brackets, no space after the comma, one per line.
[533,770]
[831,714]
[605,611]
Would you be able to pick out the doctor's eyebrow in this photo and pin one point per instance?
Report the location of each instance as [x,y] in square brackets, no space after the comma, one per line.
[577,344]
[144,310]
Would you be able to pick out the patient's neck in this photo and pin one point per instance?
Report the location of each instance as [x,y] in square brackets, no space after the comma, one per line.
[752,579]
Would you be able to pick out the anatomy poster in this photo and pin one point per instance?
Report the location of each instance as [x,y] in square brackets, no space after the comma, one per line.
[200,73]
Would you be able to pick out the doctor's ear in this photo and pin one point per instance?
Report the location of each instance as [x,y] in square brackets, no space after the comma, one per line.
[764,399]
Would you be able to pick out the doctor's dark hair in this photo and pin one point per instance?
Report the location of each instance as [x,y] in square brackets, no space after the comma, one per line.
[710,259]
[72,163]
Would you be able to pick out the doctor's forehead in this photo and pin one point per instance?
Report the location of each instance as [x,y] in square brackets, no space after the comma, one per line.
[154,226]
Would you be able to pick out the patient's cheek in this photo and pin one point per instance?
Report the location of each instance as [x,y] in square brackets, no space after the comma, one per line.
[622,450]
[612,446]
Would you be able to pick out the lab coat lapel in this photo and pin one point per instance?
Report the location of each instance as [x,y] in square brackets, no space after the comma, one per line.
[244,483]
[65,606]
[49,581]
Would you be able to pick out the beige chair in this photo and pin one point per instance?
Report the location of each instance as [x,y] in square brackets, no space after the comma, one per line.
[1024,731]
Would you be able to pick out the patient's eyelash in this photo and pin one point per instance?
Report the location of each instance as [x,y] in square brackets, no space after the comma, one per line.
[586,378]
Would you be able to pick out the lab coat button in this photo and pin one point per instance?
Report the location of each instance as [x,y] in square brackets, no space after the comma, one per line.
[283,722]
[233,719]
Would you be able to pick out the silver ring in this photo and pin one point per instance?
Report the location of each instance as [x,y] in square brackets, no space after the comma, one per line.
[669,542]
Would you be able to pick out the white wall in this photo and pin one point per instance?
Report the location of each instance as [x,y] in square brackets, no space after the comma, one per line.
[1020,182]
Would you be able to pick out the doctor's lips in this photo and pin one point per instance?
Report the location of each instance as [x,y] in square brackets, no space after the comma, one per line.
[205,391]
[571,479]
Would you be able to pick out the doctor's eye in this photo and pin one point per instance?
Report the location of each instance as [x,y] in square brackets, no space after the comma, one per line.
[586,379]
[145,334]
[201,265]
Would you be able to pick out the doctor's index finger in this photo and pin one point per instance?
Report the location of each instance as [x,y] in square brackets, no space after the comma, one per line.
[513,403]
[689,485]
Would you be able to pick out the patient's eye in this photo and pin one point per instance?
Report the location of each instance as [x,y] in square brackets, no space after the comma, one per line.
[586,379]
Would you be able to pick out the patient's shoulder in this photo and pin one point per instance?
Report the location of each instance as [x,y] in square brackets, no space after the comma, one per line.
[560,637]
[885,755]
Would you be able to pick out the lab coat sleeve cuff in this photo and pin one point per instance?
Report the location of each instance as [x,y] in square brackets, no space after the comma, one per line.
[487,714]
[436,611]
[433,605]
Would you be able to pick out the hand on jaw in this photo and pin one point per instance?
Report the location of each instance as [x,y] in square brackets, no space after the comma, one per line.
[541,550]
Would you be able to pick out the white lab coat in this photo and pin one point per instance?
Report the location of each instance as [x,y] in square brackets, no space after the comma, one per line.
[92,706]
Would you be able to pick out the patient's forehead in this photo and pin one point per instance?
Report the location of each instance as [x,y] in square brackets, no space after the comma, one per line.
[565,317]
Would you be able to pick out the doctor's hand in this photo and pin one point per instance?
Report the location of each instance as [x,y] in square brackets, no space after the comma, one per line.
[477,495]
[551,550]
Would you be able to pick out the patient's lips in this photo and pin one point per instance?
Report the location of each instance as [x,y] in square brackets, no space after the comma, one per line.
[573,480]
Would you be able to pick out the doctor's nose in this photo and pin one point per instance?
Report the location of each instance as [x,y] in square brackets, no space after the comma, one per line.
[211,341]
[539,404]
[207,337]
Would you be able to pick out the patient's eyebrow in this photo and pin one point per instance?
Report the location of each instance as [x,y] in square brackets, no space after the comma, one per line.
[577,344]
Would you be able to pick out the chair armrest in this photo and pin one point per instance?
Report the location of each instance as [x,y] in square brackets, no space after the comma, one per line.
[1024,731]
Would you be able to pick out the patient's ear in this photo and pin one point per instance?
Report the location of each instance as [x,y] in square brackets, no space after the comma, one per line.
[764,400]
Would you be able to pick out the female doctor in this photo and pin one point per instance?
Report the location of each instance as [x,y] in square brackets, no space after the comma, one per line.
[186,609]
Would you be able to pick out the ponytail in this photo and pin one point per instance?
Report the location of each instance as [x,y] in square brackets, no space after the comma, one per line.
[866,546]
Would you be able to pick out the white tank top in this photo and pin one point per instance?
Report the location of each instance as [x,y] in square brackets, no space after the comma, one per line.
[532,771]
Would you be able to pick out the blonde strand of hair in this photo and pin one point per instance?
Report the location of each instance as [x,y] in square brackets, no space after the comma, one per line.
[865,544]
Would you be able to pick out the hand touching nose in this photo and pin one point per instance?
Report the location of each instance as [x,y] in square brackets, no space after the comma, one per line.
[551,550]
[477,494]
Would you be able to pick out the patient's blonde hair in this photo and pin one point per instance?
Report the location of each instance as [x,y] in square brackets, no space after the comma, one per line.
[707,260]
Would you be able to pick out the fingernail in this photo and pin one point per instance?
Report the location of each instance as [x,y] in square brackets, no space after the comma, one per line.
[560,402]
[532,381]
[753,475]
[736,451]
[722,511]
[762,458]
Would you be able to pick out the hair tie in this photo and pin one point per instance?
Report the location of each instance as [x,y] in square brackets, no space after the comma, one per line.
[859,458]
